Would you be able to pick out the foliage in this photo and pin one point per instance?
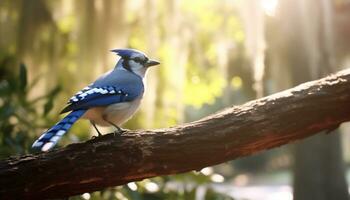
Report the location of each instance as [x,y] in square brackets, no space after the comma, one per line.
[21,117]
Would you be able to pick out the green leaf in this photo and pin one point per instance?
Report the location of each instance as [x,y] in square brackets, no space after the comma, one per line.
[53,93]
[50,97]
[22,77]
[34,82]
[48,107]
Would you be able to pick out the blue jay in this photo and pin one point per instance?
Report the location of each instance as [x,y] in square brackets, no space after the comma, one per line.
[109,101]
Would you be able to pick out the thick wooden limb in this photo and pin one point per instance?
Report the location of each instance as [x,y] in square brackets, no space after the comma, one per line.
[235,132]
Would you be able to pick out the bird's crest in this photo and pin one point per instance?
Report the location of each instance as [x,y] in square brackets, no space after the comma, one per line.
[126,52]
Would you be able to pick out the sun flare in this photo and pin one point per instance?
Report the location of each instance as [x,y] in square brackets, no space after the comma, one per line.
[269,6]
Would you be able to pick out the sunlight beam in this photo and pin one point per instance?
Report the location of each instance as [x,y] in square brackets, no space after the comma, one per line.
[269,6]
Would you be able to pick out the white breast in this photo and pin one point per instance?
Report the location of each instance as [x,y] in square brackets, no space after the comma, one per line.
[116,113]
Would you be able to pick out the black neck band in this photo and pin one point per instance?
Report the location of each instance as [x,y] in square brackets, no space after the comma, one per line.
[126,64]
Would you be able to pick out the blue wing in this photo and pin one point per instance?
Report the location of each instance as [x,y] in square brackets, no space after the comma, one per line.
[101,96]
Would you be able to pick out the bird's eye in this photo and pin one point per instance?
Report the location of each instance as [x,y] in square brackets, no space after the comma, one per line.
[137,59]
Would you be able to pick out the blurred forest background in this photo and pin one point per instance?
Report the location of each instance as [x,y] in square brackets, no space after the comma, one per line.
[213,54]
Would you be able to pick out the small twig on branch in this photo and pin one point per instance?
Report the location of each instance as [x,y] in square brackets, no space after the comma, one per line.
[235,132]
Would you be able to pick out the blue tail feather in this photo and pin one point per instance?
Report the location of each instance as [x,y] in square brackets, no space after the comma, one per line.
[50,138]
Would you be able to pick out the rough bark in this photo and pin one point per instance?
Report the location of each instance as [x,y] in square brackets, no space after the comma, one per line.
[235,132]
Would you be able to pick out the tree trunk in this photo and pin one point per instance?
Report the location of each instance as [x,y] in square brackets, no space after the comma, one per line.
[319,172]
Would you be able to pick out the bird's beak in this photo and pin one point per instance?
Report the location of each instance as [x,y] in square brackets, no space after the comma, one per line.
[150,63]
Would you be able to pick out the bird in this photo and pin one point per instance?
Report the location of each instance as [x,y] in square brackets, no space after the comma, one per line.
[109,101]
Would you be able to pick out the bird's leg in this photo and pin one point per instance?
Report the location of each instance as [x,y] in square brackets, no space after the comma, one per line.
[119,130]
[94,125]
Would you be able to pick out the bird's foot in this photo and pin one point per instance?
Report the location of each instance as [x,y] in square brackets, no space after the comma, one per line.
[119,131]
[96,136]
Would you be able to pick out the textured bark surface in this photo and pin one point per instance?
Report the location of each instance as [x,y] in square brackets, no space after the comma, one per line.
[235,132]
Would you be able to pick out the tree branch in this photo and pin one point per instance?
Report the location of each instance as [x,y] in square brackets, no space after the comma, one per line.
[235,132]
